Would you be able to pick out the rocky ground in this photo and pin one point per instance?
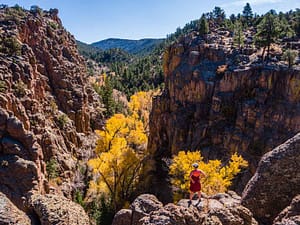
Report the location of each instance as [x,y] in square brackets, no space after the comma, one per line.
[222,209]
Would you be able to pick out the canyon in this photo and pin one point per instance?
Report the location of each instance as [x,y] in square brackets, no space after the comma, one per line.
[217,99]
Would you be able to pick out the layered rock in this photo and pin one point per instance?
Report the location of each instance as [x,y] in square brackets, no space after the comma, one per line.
[222,209]
[219,100]
[47,107]
[275,183]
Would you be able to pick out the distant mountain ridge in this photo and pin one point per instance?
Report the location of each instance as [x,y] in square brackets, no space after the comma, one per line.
[136,47]
[86,48]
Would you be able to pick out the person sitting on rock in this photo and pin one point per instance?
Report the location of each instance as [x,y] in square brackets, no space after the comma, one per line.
[195,185]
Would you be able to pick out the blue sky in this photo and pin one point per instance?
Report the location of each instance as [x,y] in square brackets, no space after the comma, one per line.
[94,20]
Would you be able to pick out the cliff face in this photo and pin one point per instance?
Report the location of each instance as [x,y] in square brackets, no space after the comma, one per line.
[219,100]
[47,107]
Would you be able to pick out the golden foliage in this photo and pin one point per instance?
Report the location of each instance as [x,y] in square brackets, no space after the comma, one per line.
[121,130]
[140,106]
[218,178]
[121,150]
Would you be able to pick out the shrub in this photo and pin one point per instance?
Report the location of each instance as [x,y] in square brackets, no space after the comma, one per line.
[62,120]
[52,168]
[36,10]
[53,105]
[20,89]
[79,198]
[3,86]
[10,46]
[101,211]
[53,25]
[290,56]
[54,11]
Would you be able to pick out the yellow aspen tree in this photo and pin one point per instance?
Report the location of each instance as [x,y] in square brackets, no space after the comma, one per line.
[218,177]
[121,152]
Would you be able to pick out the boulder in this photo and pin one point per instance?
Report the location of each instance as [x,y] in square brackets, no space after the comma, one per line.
[10,214]
[222,209]
[146,203]
[53,209]
[141,206]
[276,181]
[125,217]
[290,215]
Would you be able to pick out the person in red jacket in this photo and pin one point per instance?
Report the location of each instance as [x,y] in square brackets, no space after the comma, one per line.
[195,185]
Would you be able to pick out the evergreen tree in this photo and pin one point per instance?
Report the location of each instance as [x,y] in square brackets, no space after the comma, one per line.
[290,56]
[238,36]
[229,25]
[248,14]
[285,29]
[204,28]
[219,15]
[232,18]
[296,22]
[268,31]
[106,94]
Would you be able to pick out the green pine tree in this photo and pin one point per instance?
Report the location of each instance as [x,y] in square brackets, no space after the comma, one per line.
[108,99]
[204,28]
[290,56]
[219,15]
[248,14]
[268,30]
[238,35]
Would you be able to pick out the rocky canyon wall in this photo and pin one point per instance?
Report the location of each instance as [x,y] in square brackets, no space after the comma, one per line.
[220,100]
[47,106]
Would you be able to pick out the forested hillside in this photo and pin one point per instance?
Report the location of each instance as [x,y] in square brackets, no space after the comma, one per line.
[132,73]
[134,47]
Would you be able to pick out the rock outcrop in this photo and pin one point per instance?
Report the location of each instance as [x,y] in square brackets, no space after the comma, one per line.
[10,214]
[275,183]
[52,209]
[48,108]
[290,215]
[21,160]
[220,100]
[222,209]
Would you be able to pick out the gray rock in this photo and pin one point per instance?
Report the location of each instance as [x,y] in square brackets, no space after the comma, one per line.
[124,217]
[141,207]
[290,215]
[146,203]
[10,214]
[223,209]
[276,181]
[52,209]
